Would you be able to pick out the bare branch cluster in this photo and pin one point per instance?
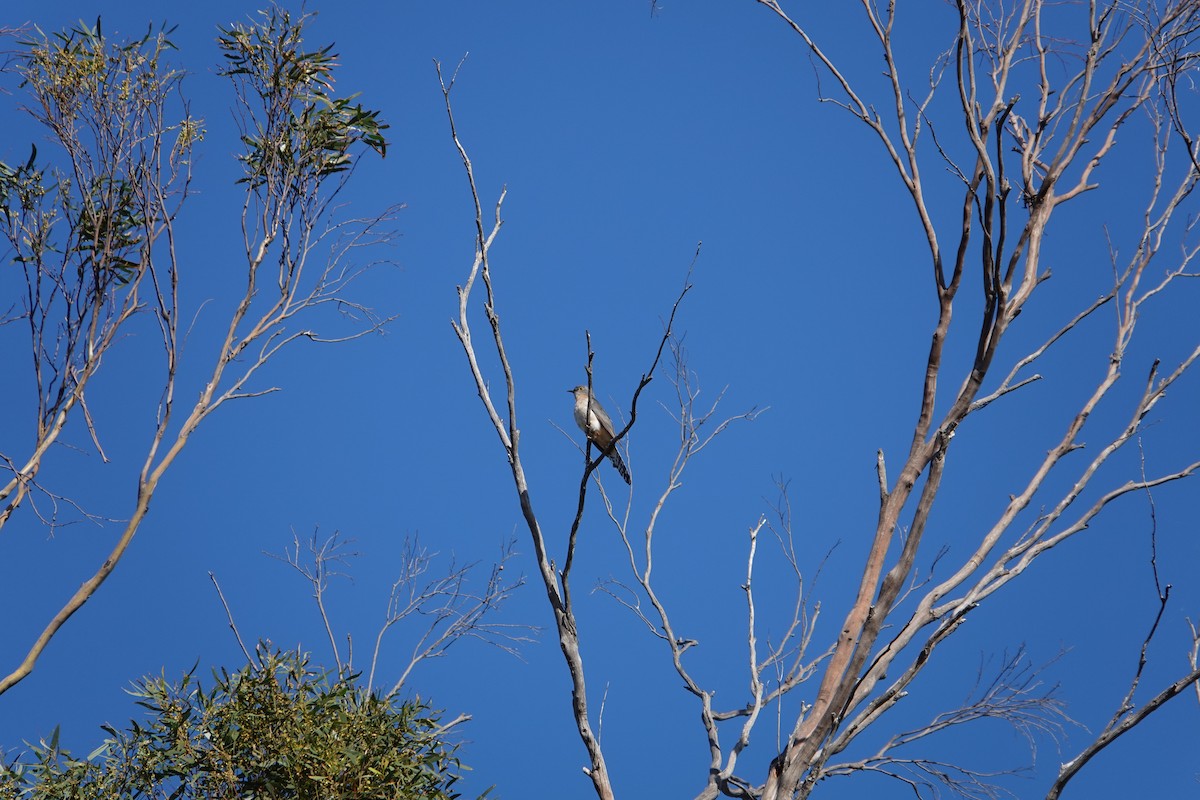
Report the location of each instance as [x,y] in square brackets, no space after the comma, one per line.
[442,608]
[1050,147]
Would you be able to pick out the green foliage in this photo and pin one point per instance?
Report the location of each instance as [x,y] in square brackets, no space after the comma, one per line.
[81,76]
[102,102]
[274,730]
[297,132]
[21,189]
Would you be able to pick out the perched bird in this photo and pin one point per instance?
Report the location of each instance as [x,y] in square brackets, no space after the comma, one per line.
[593,421]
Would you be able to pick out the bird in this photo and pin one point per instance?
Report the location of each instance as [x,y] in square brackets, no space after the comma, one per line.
[593,421]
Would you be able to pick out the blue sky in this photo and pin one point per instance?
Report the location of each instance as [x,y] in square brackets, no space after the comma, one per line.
[624,140]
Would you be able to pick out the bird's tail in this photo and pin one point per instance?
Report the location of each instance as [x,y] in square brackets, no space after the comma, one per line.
[615,457]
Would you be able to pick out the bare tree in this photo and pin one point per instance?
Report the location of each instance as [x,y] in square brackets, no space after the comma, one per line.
[93,228]
[1038,94]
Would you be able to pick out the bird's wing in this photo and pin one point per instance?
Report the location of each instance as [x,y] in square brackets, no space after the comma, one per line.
[605,423]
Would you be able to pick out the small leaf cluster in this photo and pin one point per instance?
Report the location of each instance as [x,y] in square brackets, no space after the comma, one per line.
[103,103]
[297,132]
[81,76]
[21,189]
[272,730]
